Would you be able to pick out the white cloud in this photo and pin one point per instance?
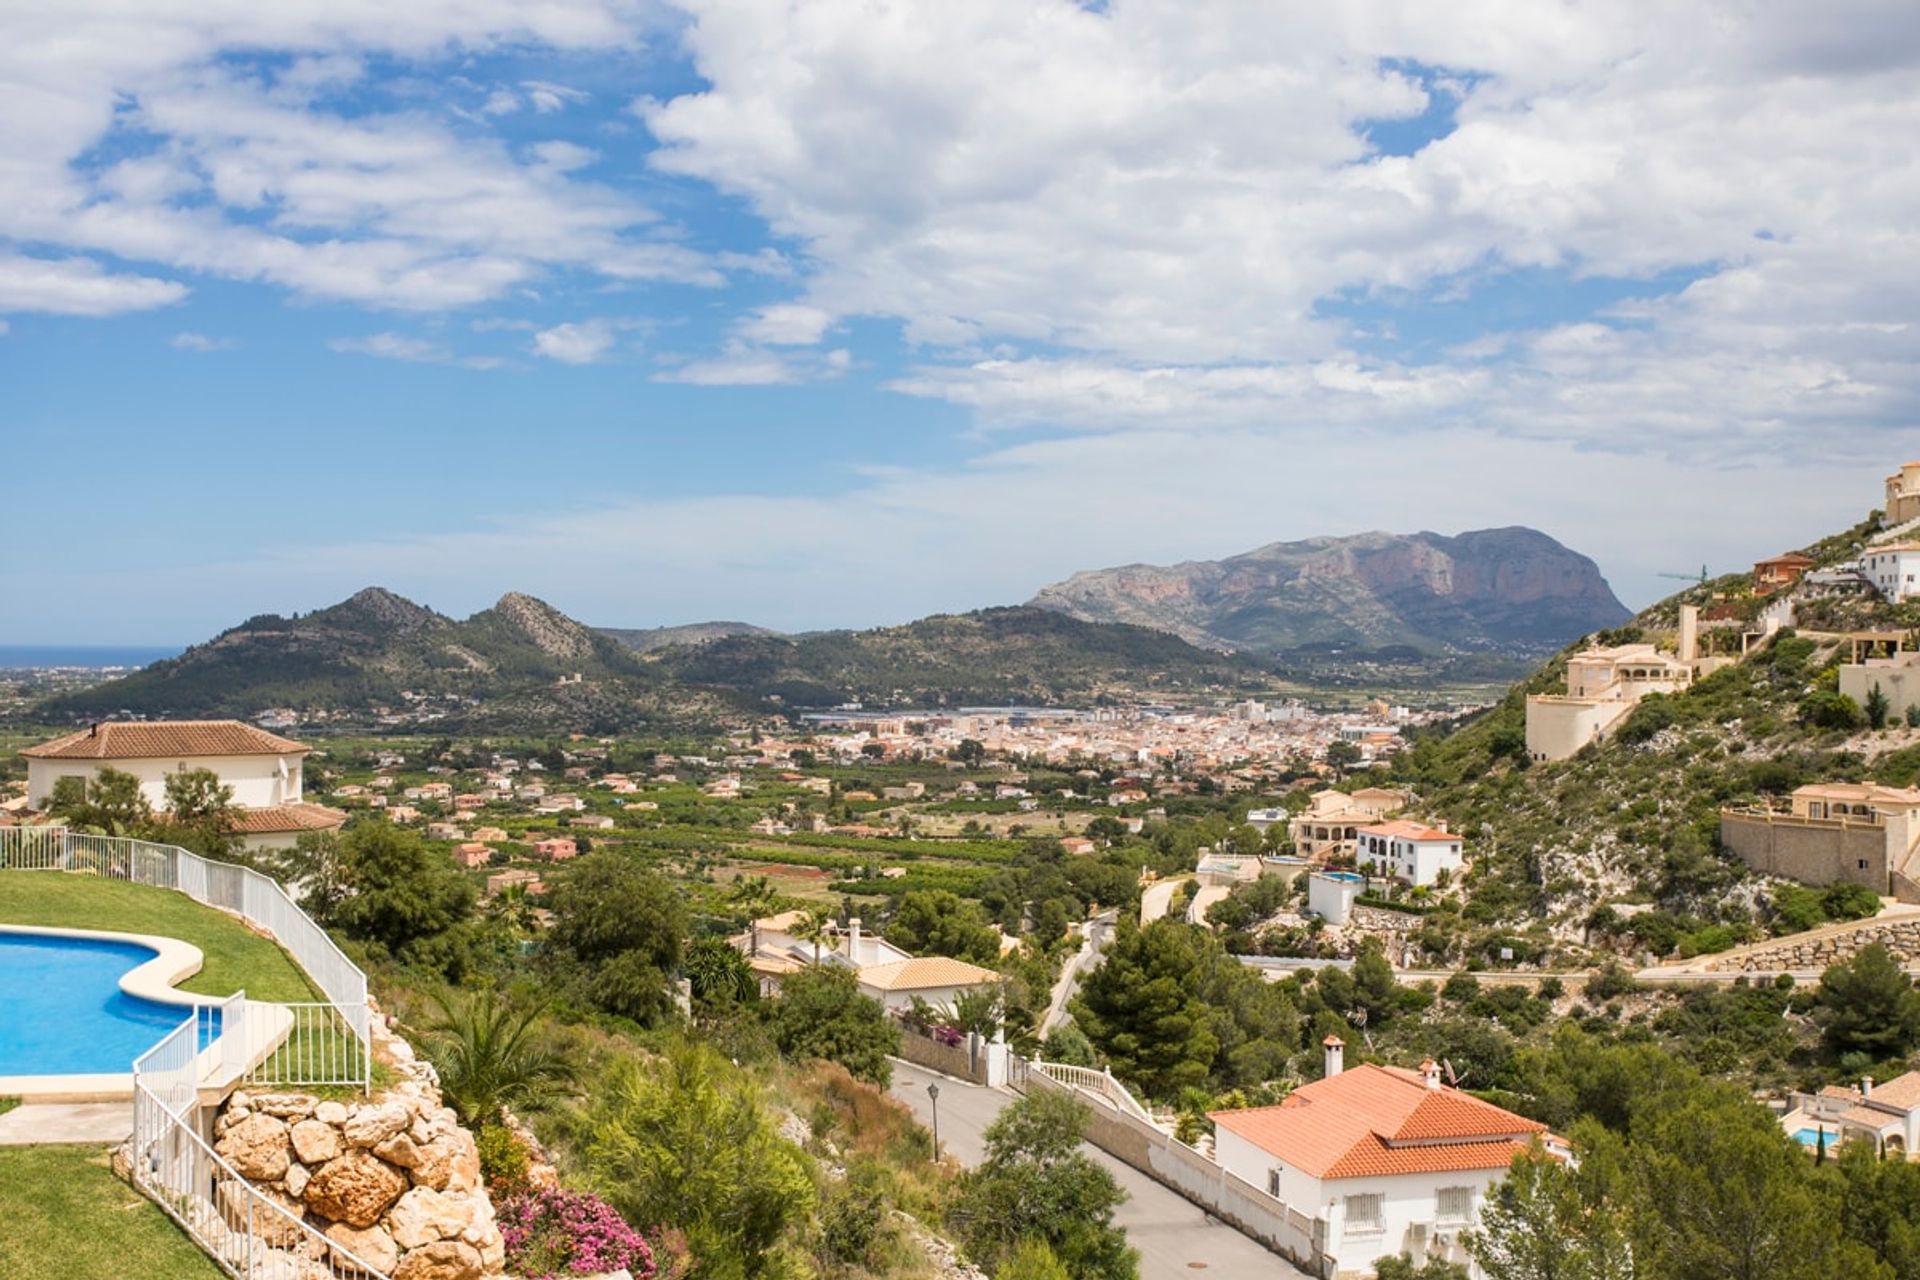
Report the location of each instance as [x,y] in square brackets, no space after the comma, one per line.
[399,346]
[741,364]
[1168,213]
[786,324]
[255,174]
[547,97]
[78,287]
[187,340]
[581,342]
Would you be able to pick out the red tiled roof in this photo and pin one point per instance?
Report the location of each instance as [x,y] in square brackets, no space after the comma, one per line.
[1381,1120]
[273,819]
[163,739]
[1408,831]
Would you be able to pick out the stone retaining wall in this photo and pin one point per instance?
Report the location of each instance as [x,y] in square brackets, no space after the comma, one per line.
[394,1179]
[1820,949]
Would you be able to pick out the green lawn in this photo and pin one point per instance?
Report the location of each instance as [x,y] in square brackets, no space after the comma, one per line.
[236,957]
[67,1216]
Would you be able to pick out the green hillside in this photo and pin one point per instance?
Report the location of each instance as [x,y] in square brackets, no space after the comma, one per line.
[1009,655]
[1567,852]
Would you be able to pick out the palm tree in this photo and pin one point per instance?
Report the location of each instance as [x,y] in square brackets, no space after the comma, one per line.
[717,972]
[756,896]
[490,1056]
[814,927]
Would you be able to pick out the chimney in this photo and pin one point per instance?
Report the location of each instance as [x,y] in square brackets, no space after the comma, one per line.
[1430,1072]
[1689,633]
[1441,826]
[1866,1086]
[853,939]
[1335,1054]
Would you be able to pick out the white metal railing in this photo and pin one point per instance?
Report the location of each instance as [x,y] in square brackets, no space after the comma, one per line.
[250,1234]
[255,898]
[1100,1083]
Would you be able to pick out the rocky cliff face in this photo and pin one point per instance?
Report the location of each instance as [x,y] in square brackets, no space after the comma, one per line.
[1506,590]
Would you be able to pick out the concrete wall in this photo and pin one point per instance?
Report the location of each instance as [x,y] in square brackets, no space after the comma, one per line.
[1177,1166]
[968,1060]
[1901,685]
[1816,851]
[1558,727]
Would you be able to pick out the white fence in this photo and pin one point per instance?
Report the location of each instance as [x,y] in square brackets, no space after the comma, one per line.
[306,1044]
[250,1234]
[1100,1083]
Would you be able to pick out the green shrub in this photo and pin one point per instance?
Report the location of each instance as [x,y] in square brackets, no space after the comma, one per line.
[504,1160]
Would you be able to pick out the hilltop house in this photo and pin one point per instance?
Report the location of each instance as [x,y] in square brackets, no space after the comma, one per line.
[1903,494]
[1408,851]
[1393,1160]
[1605,684]
[263,769]
[1779,572]
[1332,819]
[1893,569]
[1887,1116]
[555,849]
[1833,832]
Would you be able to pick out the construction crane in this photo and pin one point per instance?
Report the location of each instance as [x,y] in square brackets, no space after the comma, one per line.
[1701,577]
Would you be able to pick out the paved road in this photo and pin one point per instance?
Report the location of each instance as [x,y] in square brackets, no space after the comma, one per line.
[1175,1239]
[1099,934]
[1158,898]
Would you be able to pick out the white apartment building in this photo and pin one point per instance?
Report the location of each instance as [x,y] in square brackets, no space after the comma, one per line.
[1893,570]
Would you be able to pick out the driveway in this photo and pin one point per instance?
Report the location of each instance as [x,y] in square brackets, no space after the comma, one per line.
[1174,1237]
[1092,950]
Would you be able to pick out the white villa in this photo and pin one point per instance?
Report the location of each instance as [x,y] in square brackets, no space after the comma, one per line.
[1332,819]
[1394,1160]
[885,972]
[1887,1116]
[263,769]
[1408,851]
[1893,569]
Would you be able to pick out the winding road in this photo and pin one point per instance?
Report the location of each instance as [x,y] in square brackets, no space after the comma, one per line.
[1175,1238]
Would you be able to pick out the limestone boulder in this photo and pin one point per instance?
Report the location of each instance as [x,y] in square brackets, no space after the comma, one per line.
[315,1141]
[372,1123]
[372,1246]
[287,1106]
[331,1112]
[298,1175]
[399,1149]
[423,1216]
[257,1147]
[442,1260]
[269,1217]
[355,1188]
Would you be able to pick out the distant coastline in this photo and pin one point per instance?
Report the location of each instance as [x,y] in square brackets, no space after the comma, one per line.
[15,657]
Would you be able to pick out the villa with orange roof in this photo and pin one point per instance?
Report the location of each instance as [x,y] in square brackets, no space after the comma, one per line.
[1394,1161]
[1408,851]
[264,770]
[1888,1116]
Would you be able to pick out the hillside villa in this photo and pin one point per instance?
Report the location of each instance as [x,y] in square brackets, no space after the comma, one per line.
[1897,676]
[885,972]
[1834,832]
[1887,1115]
[1903,494]
[1330,824]
[1410,852]
[263,769]
[1604,684]
[1393,1160]
[1779,572]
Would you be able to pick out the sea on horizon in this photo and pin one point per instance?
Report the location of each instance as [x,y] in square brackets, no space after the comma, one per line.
[17,657]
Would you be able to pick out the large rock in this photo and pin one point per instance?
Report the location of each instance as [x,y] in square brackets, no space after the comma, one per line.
[372,1246]
[315,1141]
[355,1188]
[257,1148]
[298,1175]
[287,1106]
[442,1260]
[330,1112]
[373,1123]
[400,1150]
[424,1215]
[449,1162]
[244,1213]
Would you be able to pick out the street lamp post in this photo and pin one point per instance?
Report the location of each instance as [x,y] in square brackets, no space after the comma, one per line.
[933,1096]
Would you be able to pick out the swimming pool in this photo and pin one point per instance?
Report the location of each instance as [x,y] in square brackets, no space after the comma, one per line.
[62,1011]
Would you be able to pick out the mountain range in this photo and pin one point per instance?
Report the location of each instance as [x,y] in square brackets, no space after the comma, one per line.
[1514,591]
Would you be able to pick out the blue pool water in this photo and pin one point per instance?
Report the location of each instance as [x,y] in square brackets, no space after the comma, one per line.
[62,1011]
[1811,1138]
[1348,876]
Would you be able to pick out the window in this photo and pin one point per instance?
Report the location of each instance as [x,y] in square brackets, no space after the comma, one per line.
[1455,1204]
[1273,1183]
[1366,1214]
[1863,864]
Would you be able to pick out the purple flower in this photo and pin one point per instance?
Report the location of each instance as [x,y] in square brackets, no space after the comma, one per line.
[553,1233]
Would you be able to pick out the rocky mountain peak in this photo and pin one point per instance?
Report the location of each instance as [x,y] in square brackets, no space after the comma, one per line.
[545,627]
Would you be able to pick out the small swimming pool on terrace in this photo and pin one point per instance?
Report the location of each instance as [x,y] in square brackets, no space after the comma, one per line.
[62,1011]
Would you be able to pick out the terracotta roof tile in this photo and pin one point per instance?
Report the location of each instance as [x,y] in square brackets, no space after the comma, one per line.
[1408,831]
[273,819]
[1372,1119]
[163,739]
[1902,1091]
[925,971]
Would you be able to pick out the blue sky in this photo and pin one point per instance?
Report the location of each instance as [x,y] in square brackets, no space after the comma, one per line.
[845,314]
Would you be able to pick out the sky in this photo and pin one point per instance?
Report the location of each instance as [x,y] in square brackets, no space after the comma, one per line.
[845,312]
